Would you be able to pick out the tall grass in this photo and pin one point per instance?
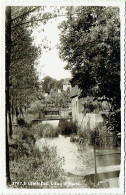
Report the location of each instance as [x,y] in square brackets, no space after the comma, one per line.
[45,130]
[29,164]
[99,134]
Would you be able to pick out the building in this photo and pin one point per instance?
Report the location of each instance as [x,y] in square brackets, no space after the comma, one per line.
[52,113]
[66,85]
[65,113]
[85,119]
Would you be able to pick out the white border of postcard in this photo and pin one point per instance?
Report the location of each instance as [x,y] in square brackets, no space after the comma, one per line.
[3,188]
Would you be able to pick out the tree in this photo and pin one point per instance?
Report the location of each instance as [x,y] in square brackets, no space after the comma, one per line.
[20,59]
[51,83]
[21,53]
[7,110]
[23,78]
[90,44]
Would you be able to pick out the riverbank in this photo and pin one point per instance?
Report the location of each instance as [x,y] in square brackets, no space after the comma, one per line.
[79,163]
[29,165]
[40,153]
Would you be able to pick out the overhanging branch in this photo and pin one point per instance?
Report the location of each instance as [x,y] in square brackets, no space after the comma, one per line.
[37,20]
[26,13]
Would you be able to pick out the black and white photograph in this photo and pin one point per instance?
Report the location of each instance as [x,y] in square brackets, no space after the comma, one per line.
[62,104]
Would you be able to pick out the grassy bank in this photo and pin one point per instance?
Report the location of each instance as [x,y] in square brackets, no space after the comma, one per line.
[28,164]
[99,135]
[44,130]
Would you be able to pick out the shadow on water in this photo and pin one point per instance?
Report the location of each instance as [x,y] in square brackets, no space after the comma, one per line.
[102,176]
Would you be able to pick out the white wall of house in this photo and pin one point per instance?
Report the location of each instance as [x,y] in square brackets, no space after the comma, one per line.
[89,121]
[85,121]
[66,86]
[75,110]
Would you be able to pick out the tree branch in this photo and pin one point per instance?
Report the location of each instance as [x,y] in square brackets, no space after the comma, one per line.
[39,20]
[26,13]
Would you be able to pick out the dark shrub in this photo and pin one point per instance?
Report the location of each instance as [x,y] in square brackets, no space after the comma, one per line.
[67,127]
[61,122]
[28,137]
[94,138]
[103,137]
[21,122]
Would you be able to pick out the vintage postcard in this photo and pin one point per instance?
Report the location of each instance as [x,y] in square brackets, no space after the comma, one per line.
[62,97]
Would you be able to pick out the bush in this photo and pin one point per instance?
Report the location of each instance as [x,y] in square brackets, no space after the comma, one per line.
[103,137]
[113,122]
[35,108]
[43,166]
[95,138]
[81,137]
[67,128]
[100,134]
[28,163]
[48,131]
[22,143]
[23,123]
[45,130]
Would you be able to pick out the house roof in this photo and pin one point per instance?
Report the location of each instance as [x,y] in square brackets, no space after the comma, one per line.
[75,91]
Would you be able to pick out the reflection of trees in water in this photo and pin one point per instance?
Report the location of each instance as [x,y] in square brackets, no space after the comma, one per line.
[104,157]
[86,155]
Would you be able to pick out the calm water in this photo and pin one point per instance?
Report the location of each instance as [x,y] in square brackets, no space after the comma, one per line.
[76,156]
[52,122]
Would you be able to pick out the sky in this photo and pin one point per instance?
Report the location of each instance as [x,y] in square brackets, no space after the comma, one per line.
[49,62]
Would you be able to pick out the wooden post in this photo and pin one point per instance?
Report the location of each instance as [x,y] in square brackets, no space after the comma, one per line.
[95,175]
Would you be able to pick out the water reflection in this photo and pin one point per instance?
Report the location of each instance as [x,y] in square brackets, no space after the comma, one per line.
[80,157]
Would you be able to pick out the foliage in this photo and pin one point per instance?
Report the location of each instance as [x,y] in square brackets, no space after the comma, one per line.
[113,122]
[91,104]
[47,130]
[67,127]
[58,99]
[65,98]
[28,164]
[23,78]
[35,107]
[50,83]
[106,137]
[78,139]
[21,56]
[100,135]
[22,122]
[96,68]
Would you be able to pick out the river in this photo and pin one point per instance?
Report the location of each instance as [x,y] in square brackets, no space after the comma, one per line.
[54,123]
[79,157]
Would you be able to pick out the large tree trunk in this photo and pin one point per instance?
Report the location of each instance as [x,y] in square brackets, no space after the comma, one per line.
[8,113]
[8,179]
[8,61]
